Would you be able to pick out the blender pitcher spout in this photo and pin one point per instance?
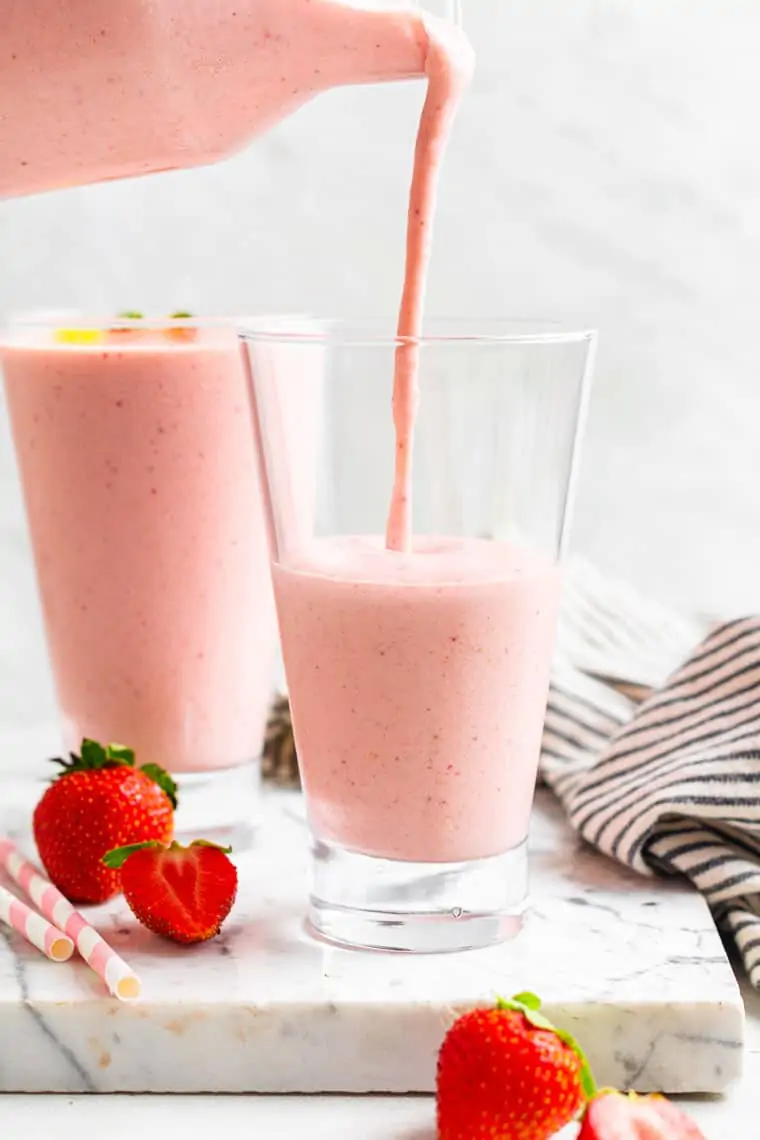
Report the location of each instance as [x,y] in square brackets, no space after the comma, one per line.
[169,85]
[369,41]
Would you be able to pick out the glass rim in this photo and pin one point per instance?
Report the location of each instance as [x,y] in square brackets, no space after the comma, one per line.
[79,320]
[301,328]
[436,331]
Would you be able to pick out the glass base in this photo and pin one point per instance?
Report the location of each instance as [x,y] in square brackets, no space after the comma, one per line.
[223,806]
[417,908]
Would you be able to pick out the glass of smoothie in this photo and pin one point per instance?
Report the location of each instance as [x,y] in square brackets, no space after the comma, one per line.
[417,606]
[135,447]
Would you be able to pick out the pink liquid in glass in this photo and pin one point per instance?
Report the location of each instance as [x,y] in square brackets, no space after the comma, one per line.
[418,683]
[139,474]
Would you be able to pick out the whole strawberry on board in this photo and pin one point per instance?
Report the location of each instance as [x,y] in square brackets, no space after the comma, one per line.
[614,1116]
[506,1073]
[99,801]
[181,893]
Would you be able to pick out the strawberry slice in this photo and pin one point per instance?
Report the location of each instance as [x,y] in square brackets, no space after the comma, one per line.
[181,893]
[614,1116]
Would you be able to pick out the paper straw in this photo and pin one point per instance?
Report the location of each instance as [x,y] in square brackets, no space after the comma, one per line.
[118,977]
[56,945]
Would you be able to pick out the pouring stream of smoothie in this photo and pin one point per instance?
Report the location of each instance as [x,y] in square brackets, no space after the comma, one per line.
[449,67]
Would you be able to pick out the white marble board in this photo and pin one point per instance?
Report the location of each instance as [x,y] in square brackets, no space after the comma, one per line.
[633,967]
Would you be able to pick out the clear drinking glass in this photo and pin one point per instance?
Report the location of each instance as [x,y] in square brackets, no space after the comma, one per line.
[418,681]
[136,455]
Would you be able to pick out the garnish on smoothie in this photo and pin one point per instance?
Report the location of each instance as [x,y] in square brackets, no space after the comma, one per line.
[78,336]
[122,330]
[181,332]
[175,332]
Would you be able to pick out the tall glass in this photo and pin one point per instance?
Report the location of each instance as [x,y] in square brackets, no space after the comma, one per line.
[136,454]
[418,681]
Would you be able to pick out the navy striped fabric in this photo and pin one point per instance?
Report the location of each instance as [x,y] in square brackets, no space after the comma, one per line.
[670,784]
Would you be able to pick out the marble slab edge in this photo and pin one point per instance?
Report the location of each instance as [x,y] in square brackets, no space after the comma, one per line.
[633,967]
[106,1047]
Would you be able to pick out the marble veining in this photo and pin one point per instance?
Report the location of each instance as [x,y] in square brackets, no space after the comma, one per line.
[634,968]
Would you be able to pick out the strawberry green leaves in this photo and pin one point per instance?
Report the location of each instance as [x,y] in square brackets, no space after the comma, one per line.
[119,855]
[161,777]
[93,757]
[530,1006]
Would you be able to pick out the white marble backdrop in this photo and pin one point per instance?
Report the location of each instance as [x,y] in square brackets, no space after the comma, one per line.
[605,168]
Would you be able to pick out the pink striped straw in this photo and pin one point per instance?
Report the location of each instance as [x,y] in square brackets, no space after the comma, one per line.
[56,945]
[114,971]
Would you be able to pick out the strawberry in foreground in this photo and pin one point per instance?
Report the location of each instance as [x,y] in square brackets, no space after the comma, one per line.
[100,800]
[614,1116]
[182,893]
[507,1074]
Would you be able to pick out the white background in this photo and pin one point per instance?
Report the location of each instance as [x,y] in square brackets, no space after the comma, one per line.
[605,168]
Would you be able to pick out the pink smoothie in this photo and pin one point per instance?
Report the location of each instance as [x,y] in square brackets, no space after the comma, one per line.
[101,89]
[419,684]
[138,469]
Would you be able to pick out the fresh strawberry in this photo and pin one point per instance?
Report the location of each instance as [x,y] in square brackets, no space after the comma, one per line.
[508,1074]
[182,893]
[100,800]
[613,1116]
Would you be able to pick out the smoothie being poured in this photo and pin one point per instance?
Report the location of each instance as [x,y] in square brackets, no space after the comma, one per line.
[448,65]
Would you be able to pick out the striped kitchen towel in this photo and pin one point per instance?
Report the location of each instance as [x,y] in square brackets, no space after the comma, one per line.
[664,775]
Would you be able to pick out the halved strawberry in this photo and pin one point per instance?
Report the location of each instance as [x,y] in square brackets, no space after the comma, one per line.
[181,893]
[614,1116]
